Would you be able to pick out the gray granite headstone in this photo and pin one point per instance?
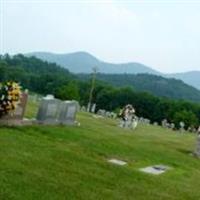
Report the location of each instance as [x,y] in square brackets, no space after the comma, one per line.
[68,112]
[49,110]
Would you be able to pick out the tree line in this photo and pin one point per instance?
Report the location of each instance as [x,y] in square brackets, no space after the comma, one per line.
[157,85]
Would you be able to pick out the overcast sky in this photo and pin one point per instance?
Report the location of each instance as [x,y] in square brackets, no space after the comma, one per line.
[164,35]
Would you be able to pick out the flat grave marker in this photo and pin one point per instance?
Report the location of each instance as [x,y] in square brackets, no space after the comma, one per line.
[156,169]
[117,162]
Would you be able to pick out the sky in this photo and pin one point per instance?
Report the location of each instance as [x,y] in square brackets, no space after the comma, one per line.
[162,34]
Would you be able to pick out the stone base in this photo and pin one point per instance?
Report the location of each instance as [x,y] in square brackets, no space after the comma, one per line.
[26,122]
[54,123]
[16,122]
[47,122]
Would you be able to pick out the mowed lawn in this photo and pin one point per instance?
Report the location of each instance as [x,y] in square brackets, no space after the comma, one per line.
[66,162]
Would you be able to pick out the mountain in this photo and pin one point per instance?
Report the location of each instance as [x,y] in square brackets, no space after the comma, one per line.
[157,85]
[82,62]
[191,78]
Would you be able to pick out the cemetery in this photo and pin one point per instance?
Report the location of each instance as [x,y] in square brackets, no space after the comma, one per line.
[126,157]
[42,141]
[99,100]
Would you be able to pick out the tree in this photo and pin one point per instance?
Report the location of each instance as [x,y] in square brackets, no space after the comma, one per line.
[69,91]
[187,117]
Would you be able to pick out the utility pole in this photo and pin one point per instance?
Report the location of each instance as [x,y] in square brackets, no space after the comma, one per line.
[94,69]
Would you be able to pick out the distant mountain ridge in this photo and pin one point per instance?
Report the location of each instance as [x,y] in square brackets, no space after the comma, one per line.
[191,78]
[83,62]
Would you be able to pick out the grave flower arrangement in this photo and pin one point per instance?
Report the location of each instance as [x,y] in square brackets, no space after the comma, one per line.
[10,93]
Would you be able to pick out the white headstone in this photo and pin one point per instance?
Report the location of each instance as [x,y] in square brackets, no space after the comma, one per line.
[93,108]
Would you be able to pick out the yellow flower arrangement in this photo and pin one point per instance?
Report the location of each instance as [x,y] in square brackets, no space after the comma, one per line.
[10,93]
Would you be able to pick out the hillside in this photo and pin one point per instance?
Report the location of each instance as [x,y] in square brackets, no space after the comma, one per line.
[33,73]
[191,78]
[83,62]
[58,162]
[47,78]
[157,85]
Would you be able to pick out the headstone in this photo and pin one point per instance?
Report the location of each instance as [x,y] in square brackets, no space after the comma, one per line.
[93,108]
[16,117]
[83,109]
[21,108]
[182,125]
[88,107]
[194,130]
[113,115]
[141,120]
[49,110]
[198,131]
[172,126]
[164,123]
[156,169]
[101,112]
[108,114]
[189,129]
[134,123]
[68,112]
[168,125]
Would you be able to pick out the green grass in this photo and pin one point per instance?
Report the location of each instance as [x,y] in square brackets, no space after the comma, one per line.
[66,162]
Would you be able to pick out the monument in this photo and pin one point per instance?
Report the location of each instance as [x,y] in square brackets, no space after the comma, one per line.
[49,110]
[128,117]
[68,112]
[16,117]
